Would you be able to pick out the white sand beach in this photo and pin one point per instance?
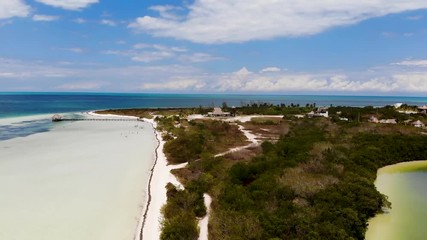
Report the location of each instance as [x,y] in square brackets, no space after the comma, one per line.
[161,177]
[150,219]
[81,180]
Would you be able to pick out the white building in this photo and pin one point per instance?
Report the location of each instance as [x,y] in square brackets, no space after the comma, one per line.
[319,112]
[217,112]
[418,124]
[373,119]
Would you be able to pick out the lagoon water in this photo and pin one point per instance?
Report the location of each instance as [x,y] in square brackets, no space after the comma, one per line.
[405,185]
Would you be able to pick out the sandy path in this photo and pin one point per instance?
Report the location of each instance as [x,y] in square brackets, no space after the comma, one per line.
[203,223]
[150,222]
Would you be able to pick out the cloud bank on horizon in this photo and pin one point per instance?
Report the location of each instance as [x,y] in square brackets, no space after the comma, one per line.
[280,46]
[211,21]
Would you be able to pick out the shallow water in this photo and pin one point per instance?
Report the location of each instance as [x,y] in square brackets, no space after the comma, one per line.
[405,185]
[77,180]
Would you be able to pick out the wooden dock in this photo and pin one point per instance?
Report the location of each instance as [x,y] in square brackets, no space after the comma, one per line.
[100,119]
[59,118]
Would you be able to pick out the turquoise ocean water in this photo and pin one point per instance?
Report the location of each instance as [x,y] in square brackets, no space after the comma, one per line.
[28,104]
[24,104]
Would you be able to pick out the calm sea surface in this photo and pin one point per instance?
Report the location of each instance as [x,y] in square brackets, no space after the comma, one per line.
[14,105]
[24,104]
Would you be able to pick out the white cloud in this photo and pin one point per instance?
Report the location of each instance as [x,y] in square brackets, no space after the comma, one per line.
[68,4]
[74,50]
[167,11]
[141,46]
[80,20]
[198,58]
[13,8]
[143,56]
[175,84]
[142,52]
[245,81]
[413,63]
[221,21]
[412,82]
[270,69]
[7,75]
[81,86]
[152,56]
[16,74]
[45,18]
[16,69]
[415,18]
[5,22]
[108,22]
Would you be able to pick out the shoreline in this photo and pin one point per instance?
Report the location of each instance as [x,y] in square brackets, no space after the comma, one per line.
[150,227]
[394,181]
[143,220]
[149,223]
[140,228]
[144,214]
[139,231]
[404,167]
[103,182]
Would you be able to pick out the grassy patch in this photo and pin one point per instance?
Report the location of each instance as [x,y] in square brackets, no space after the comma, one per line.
[266,120]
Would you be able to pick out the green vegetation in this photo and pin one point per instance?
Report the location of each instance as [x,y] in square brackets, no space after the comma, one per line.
[271,109]
[266,120]
[187,142]
[180,212]
[362,114]
[316,182]
[191,140]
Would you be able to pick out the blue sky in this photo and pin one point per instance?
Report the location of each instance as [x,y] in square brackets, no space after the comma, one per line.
[349,47]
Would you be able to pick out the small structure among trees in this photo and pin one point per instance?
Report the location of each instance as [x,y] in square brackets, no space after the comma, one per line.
[319,112]
[422,109]
[373,119]
[217,112]
[56,118]
[388,121]
[418,124]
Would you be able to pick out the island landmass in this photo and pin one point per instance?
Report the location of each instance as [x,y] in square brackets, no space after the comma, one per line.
[266,171]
